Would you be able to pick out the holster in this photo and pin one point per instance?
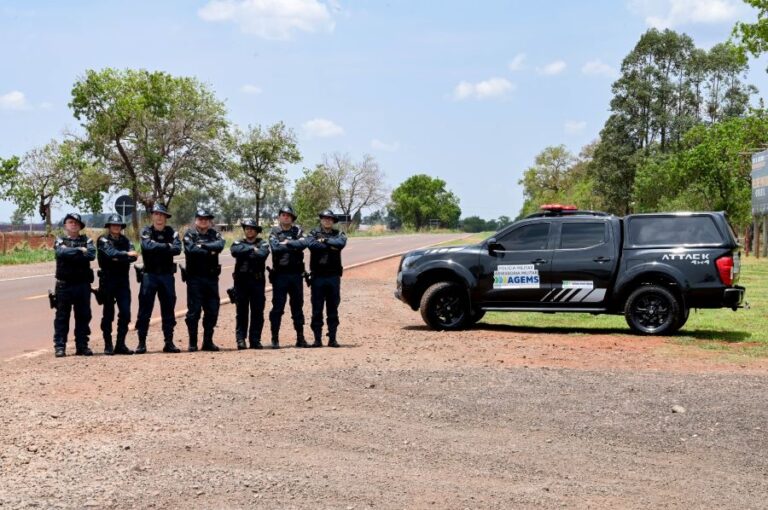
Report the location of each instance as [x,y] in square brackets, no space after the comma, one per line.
[183,273]
[271,276]
[232,293]
[139,273]
[53,299]
[307,278]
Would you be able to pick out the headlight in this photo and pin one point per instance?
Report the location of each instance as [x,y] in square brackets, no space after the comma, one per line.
[410,260]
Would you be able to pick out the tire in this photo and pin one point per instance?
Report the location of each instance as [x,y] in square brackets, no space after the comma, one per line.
[445,307]
[684,313]
[476,316]
[653,310]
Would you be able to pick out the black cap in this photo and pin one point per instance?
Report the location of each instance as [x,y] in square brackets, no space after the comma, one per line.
[250,222]
[288,210]
[160,208]
[76,217]
[114,219]
[204,213]
[328,214]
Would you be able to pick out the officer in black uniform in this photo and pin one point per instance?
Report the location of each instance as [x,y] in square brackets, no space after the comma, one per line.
[202,245]
[287,243]
[325,245]
[251,254]
[74,253]
[159,244]
[115,255]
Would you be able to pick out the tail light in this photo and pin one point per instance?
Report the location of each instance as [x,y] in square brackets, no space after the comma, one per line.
[725,268]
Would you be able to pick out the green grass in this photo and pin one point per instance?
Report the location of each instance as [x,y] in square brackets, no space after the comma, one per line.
[739,334]
[26,256]
[473,239]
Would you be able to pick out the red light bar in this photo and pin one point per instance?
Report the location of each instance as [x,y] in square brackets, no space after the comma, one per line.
[558,207]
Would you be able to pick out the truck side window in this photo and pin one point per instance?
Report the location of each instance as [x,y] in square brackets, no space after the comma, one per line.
[528,237]
[581,235]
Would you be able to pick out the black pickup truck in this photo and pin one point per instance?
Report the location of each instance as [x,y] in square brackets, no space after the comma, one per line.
[651,268]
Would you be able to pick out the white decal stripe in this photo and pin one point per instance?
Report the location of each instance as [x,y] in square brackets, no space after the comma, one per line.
[581,295]
[548,293]
[554,298]
[569,295]
[596,296]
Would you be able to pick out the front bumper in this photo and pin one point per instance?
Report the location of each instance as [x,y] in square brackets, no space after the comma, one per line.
[733,297]
[406,286]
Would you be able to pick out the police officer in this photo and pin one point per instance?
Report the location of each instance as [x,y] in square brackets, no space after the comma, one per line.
[325,245]
[74,253]
[115,254]
[287,243]
[202,245]
[251,254]
[159,244]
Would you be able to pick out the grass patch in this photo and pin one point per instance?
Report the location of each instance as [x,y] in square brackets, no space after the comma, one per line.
[26,256]
[743,333]
[473,239]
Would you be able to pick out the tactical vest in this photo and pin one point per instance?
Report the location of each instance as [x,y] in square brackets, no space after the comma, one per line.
[202,264]
[158,262]
[250,265]
[76,270]
[291,261]
[325,262]
[109,266]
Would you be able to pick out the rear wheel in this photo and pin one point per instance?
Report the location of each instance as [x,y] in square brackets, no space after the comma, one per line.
[445,306]
[476,315]
[653,310]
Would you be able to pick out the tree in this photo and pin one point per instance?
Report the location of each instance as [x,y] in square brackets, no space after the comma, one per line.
[157,134]
[753,37]
[313,193]
[473,224]
[355,185]
[18,217]
[421,198]
[45,176]
[260,159]
[187,202]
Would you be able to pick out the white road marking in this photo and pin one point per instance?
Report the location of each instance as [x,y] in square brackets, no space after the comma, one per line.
[35,297]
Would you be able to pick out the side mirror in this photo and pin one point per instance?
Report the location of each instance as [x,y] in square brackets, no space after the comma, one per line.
[492,244]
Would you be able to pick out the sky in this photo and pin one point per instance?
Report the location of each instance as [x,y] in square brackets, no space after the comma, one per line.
[468,91]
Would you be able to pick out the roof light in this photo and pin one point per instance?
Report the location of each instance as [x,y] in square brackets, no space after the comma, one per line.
[557,207]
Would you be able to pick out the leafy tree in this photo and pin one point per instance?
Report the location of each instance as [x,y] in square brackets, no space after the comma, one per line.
[355,185]
[473,224]
[260,159]
[421,198]
[18,217]
[157,134]
[753,37]
[313,193]
[188,201]
[712,171]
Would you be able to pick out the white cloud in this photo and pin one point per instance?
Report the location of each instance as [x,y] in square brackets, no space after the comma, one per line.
[271,19]
[516,64]
[672,13]
[488,89]
[251,89]
[13,100]
[575,127]
[378,145]
[553,68]
[598,67]
[322,128]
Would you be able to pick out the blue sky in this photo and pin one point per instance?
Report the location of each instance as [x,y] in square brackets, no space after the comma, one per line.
[467,91]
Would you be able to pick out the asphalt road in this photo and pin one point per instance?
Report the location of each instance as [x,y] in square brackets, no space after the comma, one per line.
[27,320]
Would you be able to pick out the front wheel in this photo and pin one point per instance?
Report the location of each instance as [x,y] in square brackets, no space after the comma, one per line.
[653,310]
[445,306]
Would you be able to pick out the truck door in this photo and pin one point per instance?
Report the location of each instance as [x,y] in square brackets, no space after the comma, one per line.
[517,273]
[583,262]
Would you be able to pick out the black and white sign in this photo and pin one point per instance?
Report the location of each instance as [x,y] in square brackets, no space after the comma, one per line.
[124,205]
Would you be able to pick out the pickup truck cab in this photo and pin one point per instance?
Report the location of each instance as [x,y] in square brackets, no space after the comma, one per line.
[651,268]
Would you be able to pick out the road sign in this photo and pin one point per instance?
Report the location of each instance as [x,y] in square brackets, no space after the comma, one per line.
[760,183]
[124,205]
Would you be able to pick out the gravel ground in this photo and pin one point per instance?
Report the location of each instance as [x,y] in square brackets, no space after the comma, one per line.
[400,417]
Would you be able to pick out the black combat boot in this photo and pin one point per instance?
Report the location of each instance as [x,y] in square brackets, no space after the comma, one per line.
[241,344]
[192,347]
[108,349]
[83,350]
[120,347]
[142,347]
[59,351]
[208,344]
[332,339]
[318,337]
[275,340]
[300,342]
[255,344]
[169,346]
